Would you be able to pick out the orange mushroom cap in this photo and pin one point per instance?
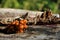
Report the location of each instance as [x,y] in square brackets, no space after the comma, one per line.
[25,21]
[25,26]
[21,26]
[21,22]
[13,22]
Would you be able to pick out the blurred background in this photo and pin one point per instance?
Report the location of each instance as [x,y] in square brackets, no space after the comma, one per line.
[35,5]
